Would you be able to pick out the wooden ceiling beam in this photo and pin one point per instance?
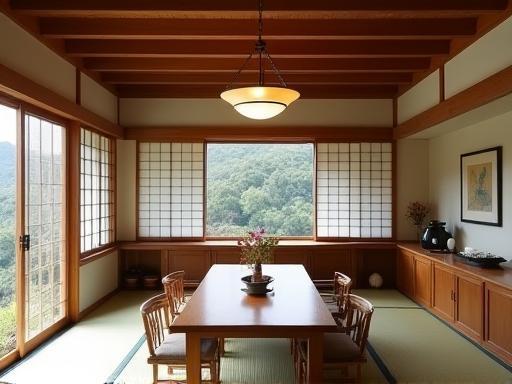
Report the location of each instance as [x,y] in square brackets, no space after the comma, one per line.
[207,8]
[238,48]
[252,78]
[240,29]
[213,91]
[293,65]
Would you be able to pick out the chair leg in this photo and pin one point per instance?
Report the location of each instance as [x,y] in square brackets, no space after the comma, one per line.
[155,373]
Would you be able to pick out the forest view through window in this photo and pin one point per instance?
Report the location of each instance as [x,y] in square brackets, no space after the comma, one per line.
[259,185]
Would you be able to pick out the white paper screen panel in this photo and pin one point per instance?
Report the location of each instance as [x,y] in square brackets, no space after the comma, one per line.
[354,190]
[96,190]
[171,190]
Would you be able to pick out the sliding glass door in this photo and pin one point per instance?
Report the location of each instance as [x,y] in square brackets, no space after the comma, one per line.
[8,150]
[44,239]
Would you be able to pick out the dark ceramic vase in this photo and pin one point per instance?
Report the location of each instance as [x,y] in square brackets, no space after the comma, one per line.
[435,236]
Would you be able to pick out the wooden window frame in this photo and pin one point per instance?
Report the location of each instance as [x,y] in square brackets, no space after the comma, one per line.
[96,252]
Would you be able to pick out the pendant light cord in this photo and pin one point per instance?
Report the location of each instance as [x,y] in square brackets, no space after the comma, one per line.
[261,49]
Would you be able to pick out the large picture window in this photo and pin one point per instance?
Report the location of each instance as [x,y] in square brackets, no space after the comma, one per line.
[96,190]
[260,185]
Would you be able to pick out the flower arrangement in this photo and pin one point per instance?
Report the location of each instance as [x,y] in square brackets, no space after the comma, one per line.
[257,249]
[417,212]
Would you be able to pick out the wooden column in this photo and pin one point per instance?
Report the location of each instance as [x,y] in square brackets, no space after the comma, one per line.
[73,205]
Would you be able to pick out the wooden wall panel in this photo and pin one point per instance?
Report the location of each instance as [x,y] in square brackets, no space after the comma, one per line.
[195,263]
[226,256]
[381,261]
[324,262]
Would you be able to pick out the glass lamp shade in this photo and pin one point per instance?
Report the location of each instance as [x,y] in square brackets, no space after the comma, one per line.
[260,102]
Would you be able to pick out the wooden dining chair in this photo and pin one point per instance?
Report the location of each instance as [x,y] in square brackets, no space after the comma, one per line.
[166,348]
[342,286]
[174,288]
[343,350]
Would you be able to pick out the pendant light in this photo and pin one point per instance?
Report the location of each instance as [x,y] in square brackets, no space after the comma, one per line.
[260,102]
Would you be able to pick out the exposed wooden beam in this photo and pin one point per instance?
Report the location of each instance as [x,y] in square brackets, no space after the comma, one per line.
[236,48]
[275,8]
[262,133]
[240,29]
[285,65]
[492,88]
[252,78]
[213,91]
[22,88]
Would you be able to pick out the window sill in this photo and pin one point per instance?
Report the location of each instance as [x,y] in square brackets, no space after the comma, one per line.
[156,245]
[98,253]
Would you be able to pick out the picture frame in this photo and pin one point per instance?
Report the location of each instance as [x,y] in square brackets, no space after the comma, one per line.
[481,200]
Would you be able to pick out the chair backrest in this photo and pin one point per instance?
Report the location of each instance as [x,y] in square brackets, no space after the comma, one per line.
[342,288]
[155,315]
[358,320]
[174,289]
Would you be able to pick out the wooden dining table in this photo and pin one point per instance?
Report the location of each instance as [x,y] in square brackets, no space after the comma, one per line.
[219,308]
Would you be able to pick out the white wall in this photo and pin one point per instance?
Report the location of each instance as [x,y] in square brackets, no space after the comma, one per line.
[412,182]
[419,98]
[97,279]
[23,53]
[126,189]
[488,55]
[98,99]
[215,112]
[444,176]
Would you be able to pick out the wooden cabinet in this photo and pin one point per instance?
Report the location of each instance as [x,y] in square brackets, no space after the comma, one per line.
[469,305]
[405,272]
[458,298]
[443,292]
[498,320]
[324,262]
[423,280]
[195,263]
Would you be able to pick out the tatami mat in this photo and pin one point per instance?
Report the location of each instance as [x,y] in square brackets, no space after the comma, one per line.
[89,351]
[418,348]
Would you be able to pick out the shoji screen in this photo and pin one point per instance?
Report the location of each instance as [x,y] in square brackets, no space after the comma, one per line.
[97,197]
[171,179]
[354,190]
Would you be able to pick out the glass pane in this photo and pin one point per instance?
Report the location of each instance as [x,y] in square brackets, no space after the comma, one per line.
[44,225]
[257,185]
[96,192]
[8,230]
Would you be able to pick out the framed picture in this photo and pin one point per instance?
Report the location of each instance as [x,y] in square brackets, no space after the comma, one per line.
[481,187]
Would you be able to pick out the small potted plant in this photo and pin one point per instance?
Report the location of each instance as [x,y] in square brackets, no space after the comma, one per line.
[256,248]
[416,213]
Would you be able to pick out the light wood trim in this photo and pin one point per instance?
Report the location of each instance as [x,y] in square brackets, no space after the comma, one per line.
[263,134]
[73,213]
[98,253]
[20,231]
[8,359]
[492,88]
[20,87]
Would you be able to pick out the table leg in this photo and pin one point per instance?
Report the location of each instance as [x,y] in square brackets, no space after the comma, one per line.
[315,358]
[193,358]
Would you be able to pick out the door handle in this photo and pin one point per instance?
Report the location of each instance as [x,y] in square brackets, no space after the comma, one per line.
[25,242]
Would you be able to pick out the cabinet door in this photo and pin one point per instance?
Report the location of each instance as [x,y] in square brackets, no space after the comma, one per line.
[469,306]
[444,292]
[422,281]
[195,263]
[405,272]
[498,332]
